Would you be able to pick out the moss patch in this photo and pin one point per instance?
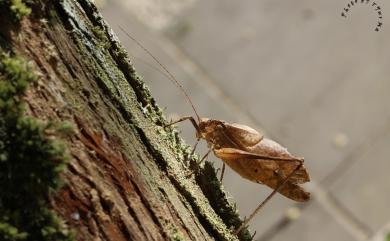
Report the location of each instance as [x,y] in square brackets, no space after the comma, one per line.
[31,160]
[177,235]
[103,43]
[120,83]
[218,199]
[17,9]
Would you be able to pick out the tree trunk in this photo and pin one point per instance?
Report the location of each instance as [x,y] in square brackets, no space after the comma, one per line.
[127,178]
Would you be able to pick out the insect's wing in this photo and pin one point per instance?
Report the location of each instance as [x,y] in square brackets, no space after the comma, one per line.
[271,148]
[281,166]
[272,174]
[267,172]
[234,153]
[243,135]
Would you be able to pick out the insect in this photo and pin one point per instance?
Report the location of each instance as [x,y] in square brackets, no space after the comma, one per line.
[248,153]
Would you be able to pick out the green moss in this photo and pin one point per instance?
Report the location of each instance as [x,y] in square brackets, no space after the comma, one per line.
[16,8]
[210,185]
[177,235]
[9,232]
[120,83]
[65,128]
[218,199]
[104,43]
[19,8]
[14,81]
[31,160]
[387,237]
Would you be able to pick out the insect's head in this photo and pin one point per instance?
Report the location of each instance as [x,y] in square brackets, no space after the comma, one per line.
[207,127]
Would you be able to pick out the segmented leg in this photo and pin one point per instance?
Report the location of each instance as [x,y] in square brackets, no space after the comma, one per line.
[267,199]
[193,150]
[222,171]
[183,119]
[204,157]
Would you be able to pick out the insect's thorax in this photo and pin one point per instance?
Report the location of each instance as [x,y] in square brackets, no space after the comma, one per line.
[213,132]
[217,140]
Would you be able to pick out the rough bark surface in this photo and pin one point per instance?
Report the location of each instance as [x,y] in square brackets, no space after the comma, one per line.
[127,178]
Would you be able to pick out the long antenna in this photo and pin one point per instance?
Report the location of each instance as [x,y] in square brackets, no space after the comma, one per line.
[171,77]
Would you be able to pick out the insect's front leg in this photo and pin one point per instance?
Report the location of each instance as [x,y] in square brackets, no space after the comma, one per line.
[183,119]
[196,128]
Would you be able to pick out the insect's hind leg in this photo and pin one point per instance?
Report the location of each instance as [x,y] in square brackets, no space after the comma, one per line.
[269,197]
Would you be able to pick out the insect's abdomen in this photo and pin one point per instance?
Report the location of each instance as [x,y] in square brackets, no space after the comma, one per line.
[272,173]
[261,171]
[282,168]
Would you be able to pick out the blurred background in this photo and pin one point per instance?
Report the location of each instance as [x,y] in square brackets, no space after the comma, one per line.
[312,80]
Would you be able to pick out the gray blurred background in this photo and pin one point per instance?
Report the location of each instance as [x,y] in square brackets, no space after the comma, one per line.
[314,81]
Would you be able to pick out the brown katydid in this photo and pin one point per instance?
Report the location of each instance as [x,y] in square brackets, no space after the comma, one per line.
[247,152]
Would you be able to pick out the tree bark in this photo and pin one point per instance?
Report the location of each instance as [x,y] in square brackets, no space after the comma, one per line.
[127,178]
